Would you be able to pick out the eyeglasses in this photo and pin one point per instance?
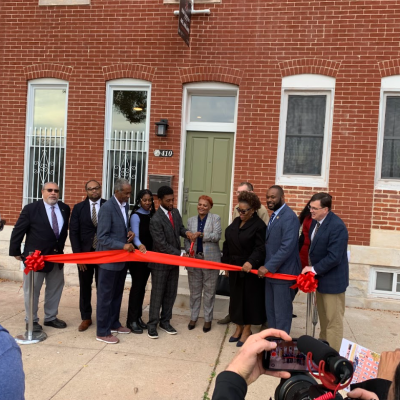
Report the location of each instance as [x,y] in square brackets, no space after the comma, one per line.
[241,211]
[95,188]
[315,208]
[52,190]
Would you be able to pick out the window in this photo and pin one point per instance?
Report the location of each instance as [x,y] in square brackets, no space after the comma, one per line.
[126,135]
[45,136]
[305,130]
[387,174]
[212,108]
[386,282]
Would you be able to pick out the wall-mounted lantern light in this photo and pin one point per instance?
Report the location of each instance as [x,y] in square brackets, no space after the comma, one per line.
[162,127]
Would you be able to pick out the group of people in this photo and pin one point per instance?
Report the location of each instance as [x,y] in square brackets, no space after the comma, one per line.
[254,241]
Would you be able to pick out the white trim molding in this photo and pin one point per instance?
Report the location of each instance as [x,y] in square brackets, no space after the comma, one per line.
[306,84]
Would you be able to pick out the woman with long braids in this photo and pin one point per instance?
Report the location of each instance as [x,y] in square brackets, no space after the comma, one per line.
[142,212]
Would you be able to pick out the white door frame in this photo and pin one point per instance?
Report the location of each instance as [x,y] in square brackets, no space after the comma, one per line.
[210,89]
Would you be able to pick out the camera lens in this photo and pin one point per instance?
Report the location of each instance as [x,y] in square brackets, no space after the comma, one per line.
[295,388]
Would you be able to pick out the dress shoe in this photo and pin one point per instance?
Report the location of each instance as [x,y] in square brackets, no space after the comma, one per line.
[233,339]
[136,328]
[294,316]
[168,328]
[141,323]
[110,339]
[84,325]
[56,323]
[152,333]
[191,325]
[239,344]
[225,320]
[207,327]
[36,327]
[121,329]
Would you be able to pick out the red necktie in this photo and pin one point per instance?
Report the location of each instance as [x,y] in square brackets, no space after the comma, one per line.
[170,218]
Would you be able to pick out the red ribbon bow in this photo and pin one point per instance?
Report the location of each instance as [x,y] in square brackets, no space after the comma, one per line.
[34,262]
[306,283]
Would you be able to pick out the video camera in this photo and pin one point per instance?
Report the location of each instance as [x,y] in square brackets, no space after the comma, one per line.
[307,358]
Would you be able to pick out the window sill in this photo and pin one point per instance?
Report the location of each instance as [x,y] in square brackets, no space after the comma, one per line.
[301,180]
[392,184]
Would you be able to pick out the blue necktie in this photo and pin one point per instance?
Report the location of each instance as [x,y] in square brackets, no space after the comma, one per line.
[271,219]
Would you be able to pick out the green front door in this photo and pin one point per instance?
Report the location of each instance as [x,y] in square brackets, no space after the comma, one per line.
[208,170]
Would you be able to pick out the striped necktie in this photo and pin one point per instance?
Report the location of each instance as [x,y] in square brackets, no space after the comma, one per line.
[94,220]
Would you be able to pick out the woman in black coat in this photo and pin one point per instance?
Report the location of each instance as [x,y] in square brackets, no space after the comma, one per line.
[245,246]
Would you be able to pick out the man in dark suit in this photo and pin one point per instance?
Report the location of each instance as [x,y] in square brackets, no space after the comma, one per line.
[328,259]
[45,224]
[112,234]
[83,237]
[282,256]
[165,227]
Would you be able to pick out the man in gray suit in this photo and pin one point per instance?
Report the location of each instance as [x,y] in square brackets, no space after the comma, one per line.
[282,256]
[112,234]
[165,227]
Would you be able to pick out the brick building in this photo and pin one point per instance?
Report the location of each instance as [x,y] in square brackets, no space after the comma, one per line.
[305,94]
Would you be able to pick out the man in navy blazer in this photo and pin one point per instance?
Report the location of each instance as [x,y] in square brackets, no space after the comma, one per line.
[112,234]
[282,256]
[328,259]
[45,224]
[83,237]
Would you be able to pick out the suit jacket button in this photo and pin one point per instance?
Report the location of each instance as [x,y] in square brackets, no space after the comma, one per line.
[55,250]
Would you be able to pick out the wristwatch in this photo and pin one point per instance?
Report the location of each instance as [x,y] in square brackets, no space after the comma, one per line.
[201,235]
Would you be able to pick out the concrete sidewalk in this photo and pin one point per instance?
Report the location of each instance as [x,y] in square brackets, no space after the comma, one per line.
[73,365]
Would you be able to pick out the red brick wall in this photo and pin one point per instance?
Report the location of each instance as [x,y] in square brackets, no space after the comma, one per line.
[251,44]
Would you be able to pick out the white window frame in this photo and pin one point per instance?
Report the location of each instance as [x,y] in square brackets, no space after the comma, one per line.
[306,84]
[390,86]
[383,293]
[124,84]
[42,83]
[205,89]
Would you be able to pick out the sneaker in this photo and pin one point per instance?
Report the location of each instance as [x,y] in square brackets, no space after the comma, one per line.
[169,329]
[110,339]
[36,327]
[152,333]
[121,329]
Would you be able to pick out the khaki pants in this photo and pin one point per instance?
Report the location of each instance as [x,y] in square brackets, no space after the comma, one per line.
[331,313]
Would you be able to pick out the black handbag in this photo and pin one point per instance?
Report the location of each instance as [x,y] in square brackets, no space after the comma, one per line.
[223,285]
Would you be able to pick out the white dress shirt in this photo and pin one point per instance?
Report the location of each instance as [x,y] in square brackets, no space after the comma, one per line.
[60,219]
[97,207]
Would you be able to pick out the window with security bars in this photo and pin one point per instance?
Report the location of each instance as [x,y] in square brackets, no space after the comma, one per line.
[126,137]
[391,139]
[45,136]
[386,282]
[305,129]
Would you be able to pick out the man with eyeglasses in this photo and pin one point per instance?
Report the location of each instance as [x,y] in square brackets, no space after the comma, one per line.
[83,236]
[45,224]
[328,260]
[262,213]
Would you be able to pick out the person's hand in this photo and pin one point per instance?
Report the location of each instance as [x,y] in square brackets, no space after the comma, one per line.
[185,255]
[189,235]
[262,271]
[388,364]
[142,248]
[226,273]
[195,236]
[362,394]
[82,267]
[248,361]
[128,247]
[247,267]
[130,236]
[19,258]
[306,269]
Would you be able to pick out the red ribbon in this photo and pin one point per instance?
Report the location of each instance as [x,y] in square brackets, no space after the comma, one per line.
[304,282]
[34,262]
[191,251]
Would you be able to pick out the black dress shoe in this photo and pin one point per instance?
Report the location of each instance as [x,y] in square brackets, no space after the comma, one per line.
[135,327]
[36,327]
[207,327]
[56,323]
[191,325]
[141,323]
[168,328]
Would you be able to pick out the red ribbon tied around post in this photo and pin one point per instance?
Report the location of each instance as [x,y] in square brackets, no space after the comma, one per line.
[306,283]
[34,262]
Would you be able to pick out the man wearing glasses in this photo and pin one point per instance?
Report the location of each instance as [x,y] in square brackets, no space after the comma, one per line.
[45,224]
[328,259]
[83,236]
